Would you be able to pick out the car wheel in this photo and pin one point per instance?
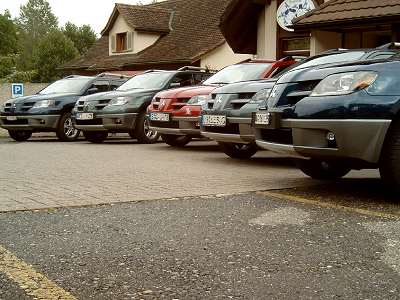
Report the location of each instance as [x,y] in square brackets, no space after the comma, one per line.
[176,140]
[322,170]
[143,133]
[66,132]
[239,151]
[20,135]
[389,165]
[96,137]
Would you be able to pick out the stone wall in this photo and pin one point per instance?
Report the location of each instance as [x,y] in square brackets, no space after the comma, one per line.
[29,89]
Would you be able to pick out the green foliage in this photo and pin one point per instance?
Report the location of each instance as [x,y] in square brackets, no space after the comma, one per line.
[54,50]
[8,34]
[83,37]
[22,76]
[7,65]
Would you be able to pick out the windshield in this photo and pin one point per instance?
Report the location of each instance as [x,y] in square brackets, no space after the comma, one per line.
[148,81]
[236,73]
[70,85]
[329,59]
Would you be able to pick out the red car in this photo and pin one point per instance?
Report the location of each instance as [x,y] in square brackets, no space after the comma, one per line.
[175,113]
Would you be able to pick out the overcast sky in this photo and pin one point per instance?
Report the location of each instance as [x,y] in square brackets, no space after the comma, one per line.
[92,12]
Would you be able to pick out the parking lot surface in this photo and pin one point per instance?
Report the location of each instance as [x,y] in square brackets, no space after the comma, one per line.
[128,221]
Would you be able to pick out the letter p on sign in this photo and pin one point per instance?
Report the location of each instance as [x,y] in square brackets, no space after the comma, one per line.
[17,90]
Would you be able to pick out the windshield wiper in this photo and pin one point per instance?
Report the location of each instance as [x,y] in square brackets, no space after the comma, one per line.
[219,83]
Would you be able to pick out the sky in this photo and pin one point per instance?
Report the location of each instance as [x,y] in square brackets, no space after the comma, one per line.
[80,12]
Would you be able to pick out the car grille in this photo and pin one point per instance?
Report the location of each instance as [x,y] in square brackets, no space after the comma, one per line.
[295,92]
[24,107]
[230,101]
[173,124]
[175,104]
[229,129]
[7,107]
[281,136]
[97,105]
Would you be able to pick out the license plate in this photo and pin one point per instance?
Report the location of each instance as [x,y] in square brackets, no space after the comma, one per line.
[11,118]
[262,119]
[159,117]
[85,116]
[217,121]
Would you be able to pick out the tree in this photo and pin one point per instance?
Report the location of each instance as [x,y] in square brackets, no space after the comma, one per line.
[83,37]
[54,50]
[35,21]
[8,35]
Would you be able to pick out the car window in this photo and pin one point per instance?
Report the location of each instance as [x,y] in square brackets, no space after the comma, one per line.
[200,77]
[153,80]
[329,59]
[240,72]
[116,84]
[67,85]
[279,71]
[100,86]
[182,79]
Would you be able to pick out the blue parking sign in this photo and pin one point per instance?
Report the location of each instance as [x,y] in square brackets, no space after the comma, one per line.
[17,90]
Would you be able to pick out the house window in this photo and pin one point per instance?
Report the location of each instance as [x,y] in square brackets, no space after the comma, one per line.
[122,42]
[295,46]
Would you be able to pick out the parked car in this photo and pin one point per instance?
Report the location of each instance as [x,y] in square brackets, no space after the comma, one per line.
[50,109]
[124,110]
[228,114]
[175,113]
[337,118]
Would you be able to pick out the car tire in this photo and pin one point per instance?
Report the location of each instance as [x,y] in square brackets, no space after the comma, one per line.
[322,170]
[132,134]
[95,137]
[66,132]
[389,165]
[238,151]
[143,133]
[176,140]
[20,135]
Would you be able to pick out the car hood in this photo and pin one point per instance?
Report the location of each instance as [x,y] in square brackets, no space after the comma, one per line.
[116,94]
[187,92]
[39,97]
[252,86]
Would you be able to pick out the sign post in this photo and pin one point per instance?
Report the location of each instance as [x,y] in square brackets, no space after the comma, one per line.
[17,90]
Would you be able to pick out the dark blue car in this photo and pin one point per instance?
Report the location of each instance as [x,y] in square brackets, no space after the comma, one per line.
[336,118]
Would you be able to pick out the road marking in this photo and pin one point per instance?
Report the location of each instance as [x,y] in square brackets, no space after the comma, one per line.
[33,283]
[361,211]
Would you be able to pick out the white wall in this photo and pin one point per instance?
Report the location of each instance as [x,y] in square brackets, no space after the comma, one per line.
[267,32]
[143,40]
[221,57]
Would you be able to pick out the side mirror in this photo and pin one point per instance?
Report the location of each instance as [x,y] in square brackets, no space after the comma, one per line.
[92,90]
[174,85]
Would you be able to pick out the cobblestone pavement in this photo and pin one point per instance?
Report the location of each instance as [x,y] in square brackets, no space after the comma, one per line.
[44,173]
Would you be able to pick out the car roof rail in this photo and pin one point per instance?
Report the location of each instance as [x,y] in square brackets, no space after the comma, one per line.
[121,76]
[193,68]
[334,50]
[392,45]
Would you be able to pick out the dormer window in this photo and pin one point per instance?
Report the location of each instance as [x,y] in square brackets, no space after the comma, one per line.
[122,42]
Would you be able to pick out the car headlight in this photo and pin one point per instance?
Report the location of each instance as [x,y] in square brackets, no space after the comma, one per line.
[44,104]
[344,83]
[119,101]
[199,100]
[260,96]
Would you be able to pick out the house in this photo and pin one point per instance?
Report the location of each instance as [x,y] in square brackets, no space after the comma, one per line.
[165,35]
[274,29]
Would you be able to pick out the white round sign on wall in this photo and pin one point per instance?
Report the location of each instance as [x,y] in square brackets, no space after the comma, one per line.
[291,9]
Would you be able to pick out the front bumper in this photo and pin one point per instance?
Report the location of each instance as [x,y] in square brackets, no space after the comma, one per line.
[109,122]
[31,122]
[178,126]
[245,133]
[355,139]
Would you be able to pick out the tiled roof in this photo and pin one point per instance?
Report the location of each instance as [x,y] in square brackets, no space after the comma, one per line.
[153,19]
[194,32]
[345,11]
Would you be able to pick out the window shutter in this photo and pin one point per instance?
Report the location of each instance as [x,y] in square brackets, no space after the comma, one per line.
[113,43]
[129,38]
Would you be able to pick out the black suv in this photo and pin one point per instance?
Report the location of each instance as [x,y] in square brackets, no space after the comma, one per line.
[124,110]
[236,137]
[50,109]
[336,118]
